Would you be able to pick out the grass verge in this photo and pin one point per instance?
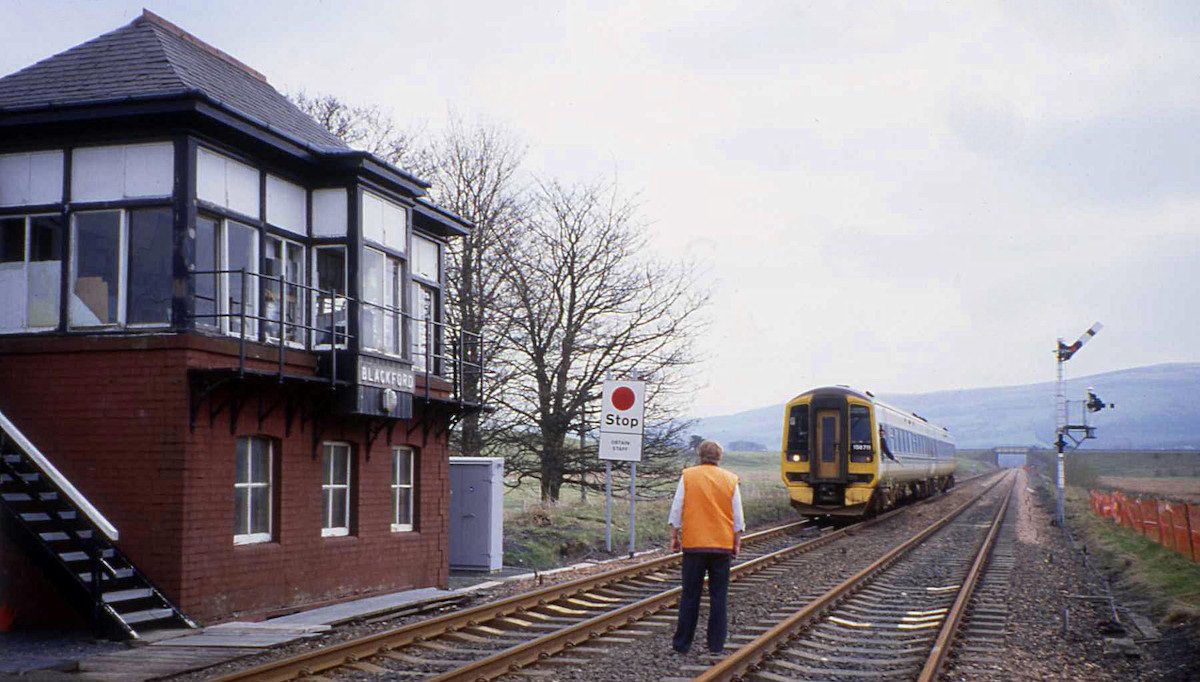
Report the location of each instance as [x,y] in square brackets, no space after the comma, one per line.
[541,536]
[1169,578]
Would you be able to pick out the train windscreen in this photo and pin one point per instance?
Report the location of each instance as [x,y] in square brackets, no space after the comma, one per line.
[797,440]
[861,447]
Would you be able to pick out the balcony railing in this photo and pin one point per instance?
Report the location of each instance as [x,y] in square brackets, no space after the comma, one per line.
[301,317]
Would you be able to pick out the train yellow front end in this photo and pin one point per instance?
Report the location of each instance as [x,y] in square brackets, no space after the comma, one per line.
[846,454]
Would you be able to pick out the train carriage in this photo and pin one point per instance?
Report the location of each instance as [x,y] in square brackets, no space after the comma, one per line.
[835,462]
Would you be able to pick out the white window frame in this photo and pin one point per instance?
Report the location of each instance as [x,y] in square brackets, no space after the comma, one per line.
[122,270]
[27,219]
[396,486]
[252,538]
[315,302]
[122,262]
[327,513]
[285,243]
[31,167]
[227,281]
[125,270]
[426,329]
[395,272]
[217,323]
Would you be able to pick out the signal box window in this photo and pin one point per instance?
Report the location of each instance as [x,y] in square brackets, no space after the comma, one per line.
[329,306]
[426,332]
[151,241]
[335,489]
[382,275]
[208,261]
[252,490]
[121,268]
[30,272]
[402,489]
[222,247]
[241,244]
[284,259]
[96,261]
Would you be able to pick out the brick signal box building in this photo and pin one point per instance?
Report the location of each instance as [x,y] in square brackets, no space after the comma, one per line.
[222,330]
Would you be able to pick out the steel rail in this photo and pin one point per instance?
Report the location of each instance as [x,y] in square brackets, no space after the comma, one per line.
[945,638]
[336,655]
[517,657]
[745,659]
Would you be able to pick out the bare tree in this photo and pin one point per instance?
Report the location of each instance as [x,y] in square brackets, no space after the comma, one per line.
[474,170]
[367,128]
[583,303]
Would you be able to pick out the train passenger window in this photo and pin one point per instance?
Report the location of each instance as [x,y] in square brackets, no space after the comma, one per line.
[797,440]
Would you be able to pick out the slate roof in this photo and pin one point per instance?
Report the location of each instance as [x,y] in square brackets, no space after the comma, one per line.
[151,58]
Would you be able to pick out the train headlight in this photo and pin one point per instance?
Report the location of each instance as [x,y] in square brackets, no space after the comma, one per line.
[794,457]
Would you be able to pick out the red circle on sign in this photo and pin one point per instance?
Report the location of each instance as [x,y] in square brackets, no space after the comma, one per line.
[623,398]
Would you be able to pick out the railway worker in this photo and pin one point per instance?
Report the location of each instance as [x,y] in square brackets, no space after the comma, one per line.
[707,524]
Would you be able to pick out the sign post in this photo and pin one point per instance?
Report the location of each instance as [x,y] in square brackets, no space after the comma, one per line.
[632,504]
[622,415]
[608,506]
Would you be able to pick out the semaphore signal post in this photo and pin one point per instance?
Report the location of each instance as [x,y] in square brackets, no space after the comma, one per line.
[1063,429]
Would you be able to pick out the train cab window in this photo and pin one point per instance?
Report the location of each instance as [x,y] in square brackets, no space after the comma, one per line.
[797,440]
[861,447]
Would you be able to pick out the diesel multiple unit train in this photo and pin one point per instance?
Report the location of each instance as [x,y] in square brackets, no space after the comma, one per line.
[847,454]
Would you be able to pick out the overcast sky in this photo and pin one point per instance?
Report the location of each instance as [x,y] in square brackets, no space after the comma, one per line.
[899,197]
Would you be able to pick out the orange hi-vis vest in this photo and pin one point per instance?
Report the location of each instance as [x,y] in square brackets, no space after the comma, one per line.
[708,508]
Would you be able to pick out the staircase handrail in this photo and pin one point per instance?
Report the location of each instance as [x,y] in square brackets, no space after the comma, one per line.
[49,470]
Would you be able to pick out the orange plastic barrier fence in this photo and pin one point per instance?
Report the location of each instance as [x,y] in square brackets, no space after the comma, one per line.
[1174,525]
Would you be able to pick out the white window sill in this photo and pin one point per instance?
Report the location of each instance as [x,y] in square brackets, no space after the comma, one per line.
[402,527]
[334,532]
[251,538]
[274,341]
[399,357]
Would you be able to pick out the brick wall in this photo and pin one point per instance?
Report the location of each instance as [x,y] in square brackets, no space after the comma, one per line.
[113,416]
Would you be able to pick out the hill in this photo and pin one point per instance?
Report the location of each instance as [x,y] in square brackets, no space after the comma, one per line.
[1157,408]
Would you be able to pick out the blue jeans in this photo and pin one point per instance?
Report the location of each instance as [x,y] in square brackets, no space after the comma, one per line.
[695,565]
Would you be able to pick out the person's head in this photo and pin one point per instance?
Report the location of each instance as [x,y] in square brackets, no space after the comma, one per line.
[710,452]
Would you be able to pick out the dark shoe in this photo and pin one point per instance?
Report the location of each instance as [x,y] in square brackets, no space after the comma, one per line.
[679,651]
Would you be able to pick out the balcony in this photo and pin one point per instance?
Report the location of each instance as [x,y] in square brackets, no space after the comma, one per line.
[377,355]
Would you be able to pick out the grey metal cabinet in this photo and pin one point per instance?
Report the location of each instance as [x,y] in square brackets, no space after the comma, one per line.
[477,513]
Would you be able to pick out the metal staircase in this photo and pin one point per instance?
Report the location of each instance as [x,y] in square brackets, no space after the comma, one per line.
[77,543]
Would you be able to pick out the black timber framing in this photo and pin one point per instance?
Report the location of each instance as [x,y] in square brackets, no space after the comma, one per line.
[183,298]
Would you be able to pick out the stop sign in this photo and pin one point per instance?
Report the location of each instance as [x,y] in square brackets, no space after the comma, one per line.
[622,407]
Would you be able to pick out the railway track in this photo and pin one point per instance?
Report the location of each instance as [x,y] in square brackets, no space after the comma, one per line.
[550,626]
[895,619]
[978,649]
[431,646]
